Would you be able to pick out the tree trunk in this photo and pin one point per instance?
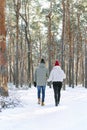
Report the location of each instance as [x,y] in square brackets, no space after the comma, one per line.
[17,8]
[85,61]
[49,37]
[68,28]
[3,59]
[86,68]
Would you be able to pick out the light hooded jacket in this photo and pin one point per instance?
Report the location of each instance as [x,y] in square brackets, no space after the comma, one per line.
[57,74]
[41,75]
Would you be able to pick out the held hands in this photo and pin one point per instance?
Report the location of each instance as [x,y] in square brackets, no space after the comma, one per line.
[49,84]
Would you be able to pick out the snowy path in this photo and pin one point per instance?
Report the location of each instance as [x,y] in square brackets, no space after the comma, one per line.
[71,114]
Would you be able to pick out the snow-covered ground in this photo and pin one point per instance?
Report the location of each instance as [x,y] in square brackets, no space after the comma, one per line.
[71,114]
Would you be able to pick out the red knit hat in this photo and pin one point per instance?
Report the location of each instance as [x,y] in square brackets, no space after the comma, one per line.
[57,63]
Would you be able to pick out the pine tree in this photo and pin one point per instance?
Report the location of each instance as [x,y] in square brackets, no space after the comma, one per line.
[3,59]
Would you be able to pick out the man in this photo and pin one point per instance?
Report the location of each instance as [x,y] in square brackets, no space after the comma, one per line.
[40,78]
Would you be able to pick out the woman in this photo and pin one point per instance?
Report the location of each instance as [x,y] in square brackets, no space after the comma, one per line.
[56,77]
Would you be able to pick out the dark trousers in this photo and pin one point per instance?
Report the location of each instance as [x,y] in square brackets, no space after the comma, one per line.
[57,88]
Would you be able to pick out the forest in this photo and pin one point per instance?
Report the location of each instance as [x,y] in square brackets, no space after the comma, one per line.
[49,29]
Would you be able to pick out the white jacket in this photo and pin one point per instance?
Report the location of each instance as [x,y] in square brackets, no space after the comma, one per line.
[57,74]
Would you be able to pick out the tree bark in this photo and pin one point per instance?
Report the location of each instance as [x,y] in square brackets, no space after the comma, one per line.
[3,58]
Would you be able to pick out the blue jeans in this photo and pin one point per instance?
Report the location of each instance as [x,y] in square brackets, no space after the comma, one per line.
[41,89]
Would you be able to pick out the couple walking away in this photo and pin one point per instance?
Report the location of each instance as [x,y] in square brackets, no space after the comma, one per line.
[42,76]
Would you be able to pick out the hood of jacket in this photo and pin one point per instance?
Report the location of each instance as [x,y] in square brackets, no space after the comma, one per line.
[42,65]
[56,68]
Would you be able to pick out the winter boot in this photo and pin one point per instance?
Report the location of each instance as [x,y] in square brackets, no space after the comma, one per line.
[42,104]
[38,100]
[56,102]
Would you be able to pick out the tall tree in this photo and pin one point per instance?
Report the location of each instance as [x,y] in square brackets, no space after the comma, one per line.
[85,58]
[17,8]
[49,16]
[3,60]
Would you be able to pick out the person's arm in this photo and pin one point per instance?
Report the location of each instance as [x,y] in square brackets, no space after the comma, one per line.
[64,75]
[47,73]
[50,76]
